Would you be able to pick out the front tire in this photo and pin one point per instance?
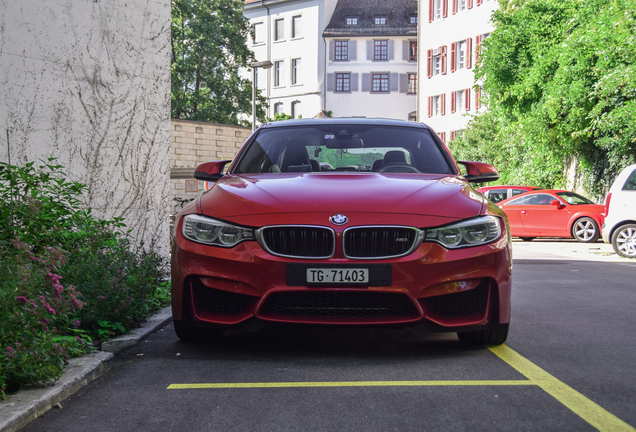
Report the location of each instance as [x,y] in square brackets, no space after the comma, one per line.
[492,336]
[624,241]
[585,230]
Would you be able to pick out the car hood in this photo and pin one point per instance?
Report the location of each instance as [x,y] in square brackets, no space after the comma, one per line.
[426,195]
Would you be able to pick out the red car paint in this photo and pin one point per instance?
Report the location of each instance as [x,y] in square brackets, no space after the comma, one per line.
[546,219]
[427,280]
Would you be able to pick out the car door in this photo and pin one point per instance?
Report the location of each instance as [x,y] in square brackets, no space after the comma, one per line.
[513,211]
[624,202]
[540,219]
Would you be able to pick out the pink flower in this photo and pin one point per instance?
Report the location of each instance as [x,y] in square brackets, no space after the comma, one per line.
[23,299]
[9,352]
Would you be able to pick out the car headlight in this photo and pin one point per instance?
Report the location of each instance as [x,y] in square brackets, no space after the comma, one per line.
[473,232]
[209,231]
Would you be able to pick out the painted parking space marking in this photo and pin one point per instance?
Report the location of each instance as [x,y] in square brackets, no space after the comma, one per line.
[589,411]
[351,384]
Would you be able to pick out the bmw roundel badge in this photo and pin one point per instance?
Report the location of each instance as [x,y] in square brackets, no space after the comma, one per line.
[339,219]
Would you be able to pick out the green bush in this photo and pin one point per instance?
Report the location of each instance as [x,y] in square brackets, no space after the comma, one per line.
[66,277]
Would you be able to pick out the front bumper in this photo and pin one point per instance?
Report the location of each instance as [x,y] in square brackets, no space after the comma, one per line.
[445,290]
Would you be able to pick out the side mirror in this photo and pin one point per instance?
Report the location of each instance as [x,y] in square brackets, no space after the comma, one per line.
[558,204]
[478,172]
[210,171]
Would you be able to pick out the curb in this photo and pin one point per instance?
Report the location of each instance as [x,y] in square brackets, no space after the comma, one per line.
[26,405]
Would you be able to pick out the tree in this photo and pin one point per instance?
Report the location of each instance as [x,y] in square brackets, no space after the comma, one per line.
[208,48]
[560,85]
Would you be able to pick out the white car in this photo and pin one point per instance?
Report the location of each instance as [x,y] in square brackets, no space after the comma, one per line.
[620,214]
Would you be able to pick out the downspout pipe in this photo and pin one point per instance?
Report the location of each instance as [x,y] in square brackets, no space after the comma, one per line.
[269,54]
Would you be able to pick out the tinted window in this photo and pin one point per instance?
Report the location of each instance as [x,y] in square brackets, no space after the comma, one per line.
[342,147]
[574,199]
[630,184]
[496,195]
[516,192]
[535,199]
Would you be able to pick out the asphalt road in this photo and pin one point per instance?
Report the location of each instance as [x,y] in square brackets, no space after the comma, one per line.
[568,365]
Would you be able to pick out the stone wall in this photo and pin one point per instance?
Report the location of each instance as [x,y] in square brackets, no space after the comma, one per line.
[192,143]
[88,82]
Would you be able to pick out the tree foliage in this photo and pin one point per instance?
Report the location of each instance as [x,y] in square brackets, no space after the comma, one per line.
[208,48]
[559,82]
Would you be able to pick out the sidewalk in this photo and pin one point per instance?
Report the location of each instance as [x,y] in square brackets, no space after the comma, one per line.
[28,404]
[566,249]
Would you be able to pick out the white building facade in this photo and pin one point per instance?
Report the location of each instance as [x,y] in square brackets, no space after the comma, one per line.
[288,33]
[450,35]
[372,59]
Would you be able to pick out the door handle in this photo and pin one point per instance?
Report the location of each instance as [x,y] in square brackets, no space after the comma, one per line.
[524,212]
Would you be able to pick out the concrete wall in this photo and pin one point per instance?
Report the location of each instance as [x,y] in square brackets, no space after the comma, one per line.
[88,82]
[192,143]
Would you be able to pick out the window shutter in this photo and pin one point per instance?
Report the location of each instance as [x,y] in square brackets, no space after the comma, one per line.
[430,106]
[390,50]
[467,99]
[444,8]
[455,6]
[366,82]
[477,97]
[469,53]
[352,50]
[369,50]
[442,136]
[453,57]
[395,81]
[332,50]
[469,4]
[429,63]
[404,82]
[477,47]
[330,81]
[453,99]
[354,82]
[453,134]
[405,50]
[479,2]
[443,59]
[442,104]
[430,11]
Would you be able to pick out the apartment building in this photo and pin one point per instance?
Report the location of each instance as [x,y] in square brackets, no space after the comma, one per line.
[371,68]
[288,33]
[450,35]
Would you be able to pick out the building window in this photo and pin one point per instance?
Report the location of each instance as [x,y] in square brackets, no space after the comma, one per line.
[380,83]
[352,21]
[413,19]
[461,5]
[297,27]
[295,109]
[460,101]
[279,29]
[379,20]
[279,73]
[436,105]
[342,51]
[437,9]
[461,55]
[278,108]
[295,64]
[343,82]
[412,83]
[412,50]
[437,64]
[380,50]
[259,33]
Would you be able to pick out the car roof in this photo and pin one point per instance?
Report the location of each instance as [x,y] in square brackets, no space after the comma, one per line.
[343,121]
[509,186]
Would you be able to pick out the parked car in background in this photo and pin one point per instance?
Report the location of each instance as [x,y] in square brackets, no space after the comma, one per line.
[553,213]
[620,214]
[500,193]
[349,222]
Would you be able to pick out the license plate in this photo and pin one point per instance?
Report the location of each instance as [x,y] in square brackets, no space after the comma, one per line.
[338,275]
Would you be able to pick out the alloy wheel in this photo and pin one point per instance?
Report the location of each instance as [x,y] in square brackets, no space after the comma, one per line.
[585,230]
[626,241]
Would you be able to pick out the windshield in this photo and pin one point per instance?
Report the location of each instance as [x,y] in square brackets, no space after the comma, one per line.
[574,199]
[356,148]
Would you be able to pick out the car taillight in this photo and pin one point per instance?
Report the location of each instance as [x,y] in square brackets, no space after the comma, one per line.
[607,203]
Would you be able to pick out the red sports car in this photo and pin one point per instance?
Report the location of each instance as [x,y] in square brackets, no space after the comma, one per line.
[500,193]
[553,213]
[342,222]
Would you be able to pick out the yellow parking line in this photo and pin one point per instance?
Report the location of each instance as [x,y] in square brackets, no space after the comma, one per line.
[589,411]
[350,384]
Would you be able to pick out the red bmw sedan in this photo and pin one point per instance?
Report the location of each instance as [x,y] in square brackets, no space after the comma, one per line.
[354,222]
[553,213]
